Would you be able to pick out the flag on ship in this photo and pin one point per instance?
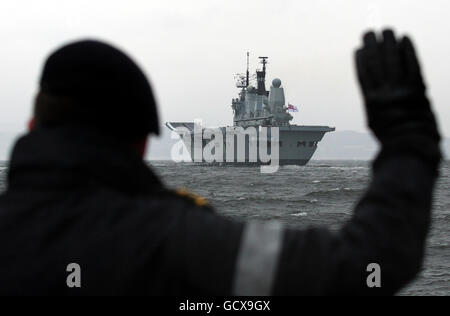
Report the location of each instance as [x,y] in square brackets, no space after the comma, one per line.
[292,108]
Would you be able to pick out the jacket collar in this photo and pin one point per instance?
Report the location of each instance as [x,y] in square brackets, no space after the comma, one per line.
[61,158]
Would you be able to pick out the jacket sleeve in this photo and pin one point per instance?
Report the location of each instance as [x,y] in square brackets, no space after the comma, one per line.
[389,228]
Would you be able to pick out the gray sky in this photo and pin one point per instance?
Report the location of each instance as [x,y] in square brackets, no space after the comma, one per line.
[191,50]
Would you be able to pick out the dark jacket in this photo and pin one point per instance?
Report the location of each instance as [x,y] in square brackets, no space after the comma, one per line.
[78,197]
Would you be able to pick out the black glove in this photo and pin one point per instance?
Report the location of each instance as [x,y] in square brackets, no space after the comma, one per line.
[398,111]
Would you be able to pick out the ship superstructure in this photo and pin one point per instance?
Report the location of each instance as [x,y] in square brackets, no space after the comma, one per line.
[255,108]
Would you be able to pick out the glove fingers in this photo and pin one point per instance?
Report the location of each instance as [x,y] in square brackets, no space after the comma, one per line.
[391,53]
[364,77]
[396,104]
[411,62]
[373,58]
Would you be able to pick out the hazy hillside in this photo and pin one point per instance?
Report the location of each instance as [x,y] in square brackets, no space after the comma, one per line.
[346,145]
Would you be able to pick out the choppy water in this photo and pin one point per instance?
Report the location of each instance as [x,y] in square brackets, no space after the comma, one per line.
[321,193]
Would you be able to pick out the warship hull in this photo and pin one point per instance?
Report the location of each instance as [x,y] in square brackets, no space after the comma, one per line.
[296,145]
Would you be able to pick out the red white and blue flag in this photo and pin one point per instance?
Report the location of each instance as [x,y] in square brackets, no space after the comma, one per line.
[292,108]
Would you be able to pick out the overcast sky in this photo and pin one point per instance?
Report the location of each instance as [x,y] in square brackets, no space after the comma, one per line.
[192,49]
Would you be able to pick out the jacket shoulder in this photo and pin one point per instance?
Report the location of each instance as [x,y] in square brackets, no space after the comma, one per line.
[190,197]
[177,198]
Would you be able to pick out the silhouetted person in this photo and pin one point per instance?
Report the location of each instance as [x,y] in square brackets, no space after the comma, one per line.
[80,192]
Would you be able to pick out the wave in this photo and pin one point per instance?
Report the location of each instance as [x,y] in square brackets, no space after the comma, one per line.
[349,168]
[335,191]
[440,245]
[337,167]
[301,214]
[267,200]
[159,164]
[292,167]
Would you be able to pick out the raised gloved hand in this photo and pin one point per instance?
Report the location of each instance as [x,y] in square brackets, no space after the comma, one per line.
[398,110]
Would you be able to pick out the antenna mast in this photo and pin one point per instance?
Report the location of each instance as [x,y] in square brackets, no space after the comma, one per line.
[248,73]
[264,62]
[261,77]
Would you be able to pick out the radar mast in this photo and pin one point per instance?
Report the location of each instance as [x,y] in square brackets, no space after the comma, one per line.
[261,77]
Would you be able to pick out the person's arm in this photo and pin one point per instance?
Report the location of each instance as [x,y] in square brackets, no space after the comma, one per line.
[391,221]
[388,228]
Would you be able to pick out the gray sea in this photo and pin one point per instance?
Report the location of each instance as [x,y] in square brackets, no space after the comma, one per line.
[321,193]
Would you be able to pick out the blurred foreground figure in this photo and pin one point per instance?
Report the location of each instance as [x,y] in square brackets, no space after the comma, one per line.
[79,192]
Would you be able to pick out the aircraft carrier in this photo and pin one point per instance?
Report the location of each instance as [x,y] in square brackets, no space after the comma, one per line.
[254,109]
